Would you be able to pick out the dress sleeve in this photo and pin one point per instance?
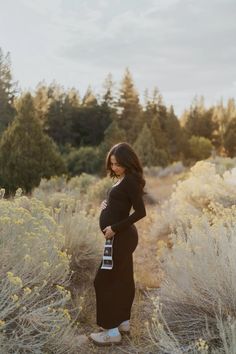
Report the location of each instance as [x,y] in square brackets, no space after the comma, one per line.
[135,196]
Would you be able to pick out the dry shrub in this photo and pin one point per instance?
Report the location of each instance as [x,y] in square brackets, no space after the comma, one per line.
[34,271]
[75,208]
[98,191]
[85,190]
[196,307]
[158,171]
[83,238]
[195,194]
[223,164]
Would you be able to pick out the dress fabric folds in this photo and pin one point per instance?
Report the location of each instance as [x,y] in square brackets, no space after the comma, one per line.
[115,288]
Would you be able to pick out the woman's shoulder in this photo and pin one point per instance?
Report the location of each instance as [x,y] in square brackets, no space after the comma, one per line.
[130,177]
[131,180]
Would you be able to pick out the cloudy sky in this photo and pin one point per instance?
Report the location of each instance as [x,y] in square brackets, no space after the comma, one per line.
[183,47]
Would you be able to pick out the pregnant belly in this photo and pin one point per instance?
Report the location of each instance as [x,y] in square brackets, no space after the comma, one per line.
[109,217]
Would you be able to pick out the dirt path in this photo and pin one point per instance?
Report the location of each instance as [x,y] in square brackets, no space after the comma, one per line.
[147,273]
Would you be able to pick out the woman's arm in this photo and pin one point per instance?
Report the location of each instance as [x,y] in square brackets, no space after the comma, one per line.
[135,195]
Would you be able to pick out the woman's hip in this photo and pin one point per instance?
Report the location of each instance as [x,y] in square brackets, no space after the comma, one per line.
[126,241]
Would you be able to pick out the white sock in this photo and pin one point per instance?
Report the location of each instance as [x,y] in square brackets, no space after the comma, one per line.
[125,322]
[113,331]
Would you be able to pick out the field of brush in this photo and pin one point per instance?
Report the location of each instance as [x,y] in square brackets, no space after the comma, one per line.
[185,264]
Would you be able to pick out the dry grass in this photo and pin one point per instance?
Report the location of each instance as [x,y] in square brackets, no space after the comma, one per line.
[161,188]
[147,270]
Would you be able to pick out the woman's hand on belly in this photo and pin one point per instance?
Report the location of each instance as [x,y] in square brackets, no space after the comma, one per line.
[103,204]
[108,232]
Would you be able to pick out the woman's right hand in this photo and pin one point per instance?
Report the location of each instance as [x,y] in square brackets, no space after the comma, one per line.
[104,204]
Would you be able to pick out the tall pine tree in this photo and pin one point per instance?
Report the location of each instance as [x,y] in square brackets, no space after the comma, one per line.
[154,121]
[26,153]
[230,138]
[175,135]
[129,108]
[42,103]
[112,135]
[145,147]
[7,92]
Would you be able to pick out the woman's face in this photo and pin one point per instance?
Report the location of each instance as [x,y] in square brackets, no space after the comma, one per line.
[116,167]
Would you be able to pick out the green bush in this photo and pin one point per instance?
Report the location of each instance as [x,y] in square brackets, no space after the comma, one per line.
[85,159]
[199,147]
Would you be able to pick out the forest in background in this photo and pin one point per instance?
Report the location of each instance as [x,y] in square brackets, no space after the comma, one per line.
[53,131]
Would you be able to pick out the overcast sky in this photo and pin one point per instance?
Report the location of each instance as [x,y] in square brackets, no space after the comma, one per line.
[184,47]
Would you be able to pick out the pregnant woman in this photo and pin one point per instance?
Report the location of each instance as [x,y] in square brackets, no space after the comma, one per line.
[114,281]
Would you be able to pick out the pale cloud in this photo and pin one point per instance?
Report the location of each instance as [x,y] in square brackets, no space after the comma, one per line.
[43,7]
[185,47]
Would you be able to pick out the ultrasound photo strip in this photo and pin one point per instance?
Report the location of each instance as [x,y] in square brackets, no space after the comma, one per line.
[107,261]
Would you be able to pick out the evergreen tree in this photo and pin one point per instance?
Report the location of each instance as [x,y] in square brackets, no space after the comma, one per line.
[151,116]
[230,138]
[168,122]
[7,92]
[129,108]
[146,149]
[73,97]
[112,135]
[90,124]
[161,110]
[26,153]
[159,137]
[90,121]
[164,125]
[107,97]
[222,117]
[199,120]
[191,121]
[175,136]
[112,131]
[70,110]
[62,112]
[108,102]
[89,98]
[42,103]
[57,127]
[151,107]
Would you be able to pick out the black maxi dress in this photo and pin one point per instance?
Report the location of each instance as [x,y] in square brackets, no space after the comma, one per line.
[115,288]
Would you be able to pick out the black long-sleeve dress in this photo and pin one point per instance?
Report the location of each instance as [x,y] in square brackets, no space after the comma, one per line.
[115,288]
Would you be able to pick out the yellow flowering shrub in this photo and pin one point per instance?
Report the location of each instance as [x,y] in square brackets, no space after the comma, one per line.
[32,263]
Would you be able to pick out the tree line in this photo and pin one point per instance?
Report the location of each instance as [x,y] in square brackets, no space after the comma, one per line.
[53,131]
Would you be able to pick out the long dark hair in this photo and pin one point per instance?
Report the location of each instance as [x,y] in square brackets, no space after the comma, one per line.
[127,158]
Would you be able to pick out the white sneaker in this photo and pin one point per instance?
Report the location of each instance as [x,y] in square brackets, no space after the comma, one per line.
[124,327]
[103,338]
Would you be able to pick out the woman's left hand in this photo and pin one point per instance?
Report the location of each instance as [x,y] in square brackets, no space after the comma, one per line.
[108,232]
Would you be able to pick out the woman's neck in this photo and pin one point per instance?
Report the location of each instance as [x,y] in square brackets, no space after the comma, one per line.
[121,176]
